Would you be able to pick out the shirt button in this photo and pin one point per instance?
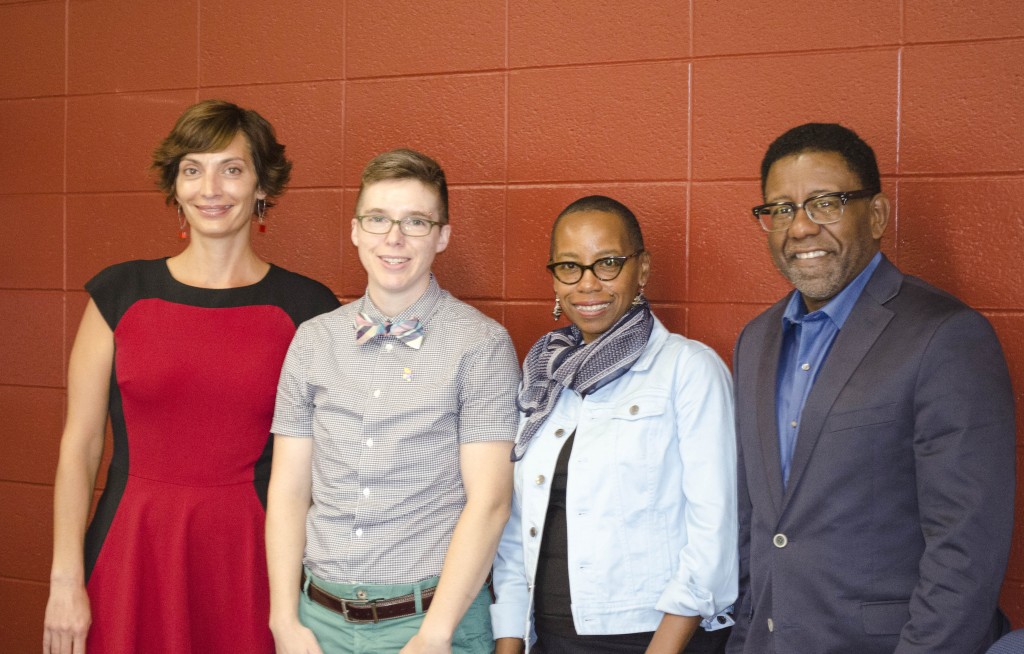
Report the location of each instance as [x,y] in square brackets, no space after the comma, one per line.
[376,393]
[361,594]
[533,531]
[780,540]
[805,366]
[633,410]
[559,433]
[359,533]
[539,480]
[771,625]
[366,492]
[369,442]
[389,347]
[792,423]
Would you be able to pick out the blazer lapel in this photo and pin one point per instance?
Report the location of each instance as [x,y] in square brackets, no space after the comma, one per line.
[862,328]
[767,425]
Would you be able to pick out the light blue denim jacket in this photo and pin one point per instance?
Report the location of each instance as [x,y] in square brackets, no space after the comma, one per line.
[651,498]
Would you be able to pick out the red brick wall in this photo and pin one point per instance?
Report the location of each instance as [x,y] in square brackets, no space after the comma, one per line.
[667,105]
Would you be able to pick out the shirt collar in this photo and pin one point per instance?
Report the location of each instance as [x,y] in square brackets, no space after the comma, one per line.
[659,334]
[422,308]
[839,307]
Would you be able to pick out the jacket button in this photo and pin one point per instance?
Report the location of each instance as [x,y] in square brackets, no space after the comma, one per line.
[780,540]
[559,433]
[533,531]
[633,410]
[539,480]
[771,625]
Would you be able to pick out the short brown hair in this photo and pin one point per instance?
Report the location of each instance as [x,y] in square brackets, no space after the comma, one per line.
[404,163]
[209,126]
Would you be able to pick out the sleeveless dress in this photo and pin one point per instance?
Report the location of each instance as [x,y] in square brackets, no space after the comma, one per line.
[174,557]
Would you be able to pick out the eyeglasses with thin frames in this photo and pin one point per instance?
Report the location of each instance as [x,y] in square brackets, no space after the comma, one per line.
[822,209]
[410,225]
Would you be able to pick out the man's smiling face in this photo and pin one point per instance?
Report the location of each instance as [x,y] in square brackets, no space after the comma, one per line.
[820,260]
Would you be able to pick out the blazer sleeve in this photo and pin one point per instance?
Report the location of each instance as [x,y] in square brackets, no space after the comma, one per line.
[738,637]
[964,442]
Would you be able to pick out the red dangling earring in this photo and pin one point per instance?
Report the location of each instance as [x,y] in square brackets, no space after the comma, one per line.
[261,212]
[182,232]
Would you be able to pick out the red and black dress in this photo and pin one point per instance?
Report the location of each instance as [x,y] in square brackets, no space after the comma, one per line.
[174,557]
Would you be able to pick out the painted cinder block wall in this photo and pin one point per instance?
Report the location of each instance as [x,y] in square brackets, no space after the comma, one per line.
[665,104]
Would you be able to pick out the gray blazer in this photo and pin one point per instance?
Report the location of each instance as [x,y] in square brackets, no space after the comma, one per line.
[894,530]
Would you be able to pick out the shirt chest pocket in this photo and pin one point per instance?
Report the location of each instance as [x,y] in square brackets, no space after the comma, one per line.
[641,406]
[635,424]
[635,445]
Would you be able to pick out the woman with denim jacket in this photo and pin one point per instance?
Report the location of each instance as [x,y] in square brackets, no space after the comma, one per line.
[623,529]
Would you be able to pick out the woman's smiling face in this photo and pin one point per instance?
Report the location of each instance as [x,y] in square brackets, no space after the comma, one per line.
[591,304]
[218,190]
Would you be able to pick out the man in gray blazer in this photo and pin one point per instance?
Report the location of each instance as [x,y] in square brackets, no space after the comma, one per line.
[875,428]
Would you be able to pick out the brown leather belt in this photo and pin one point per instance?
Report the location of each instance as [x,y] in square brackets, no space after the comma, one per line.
[368,611]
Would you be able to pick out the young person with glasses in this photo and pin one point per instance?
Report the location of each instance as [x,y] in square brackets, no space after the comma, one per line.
[394,420]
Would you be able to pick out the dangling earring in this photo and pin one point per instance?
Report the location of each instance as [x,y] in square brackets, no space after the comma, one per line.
[182,232]
[261,213]
[557,311]
[639,299]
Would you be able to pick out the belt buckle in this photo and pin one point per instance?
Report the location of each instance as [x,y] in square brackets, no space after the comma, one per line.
[371,604]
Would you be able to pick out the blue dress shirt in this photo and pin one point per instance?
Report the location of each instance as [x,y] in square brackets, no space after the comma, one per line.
[806,341]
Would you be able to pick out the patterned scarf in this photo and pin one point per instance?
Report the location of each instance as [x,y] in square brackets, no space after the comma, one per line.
[561,358]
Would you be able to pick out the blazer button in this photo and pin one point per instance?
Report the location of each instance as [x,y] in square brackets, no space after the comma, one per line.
[533,531]
[771,625]
[559,433]
[780,540]
[539,480]
[633,410]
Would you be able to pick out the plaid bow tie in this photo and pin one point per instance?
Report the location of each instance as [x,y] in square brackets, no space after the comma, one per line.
[409,332]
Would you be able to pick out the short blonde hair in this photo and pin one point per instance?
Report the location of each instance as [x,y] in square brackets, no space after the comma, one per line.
[404,163]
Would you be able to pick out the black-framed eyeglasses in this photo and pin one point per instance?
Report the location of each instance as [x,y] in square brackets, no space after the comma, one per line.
[606,268]
[410,225]
[822,209]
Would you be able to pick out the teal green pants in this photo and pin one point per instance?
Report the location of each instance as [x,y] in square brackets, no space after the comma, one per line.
[336,636]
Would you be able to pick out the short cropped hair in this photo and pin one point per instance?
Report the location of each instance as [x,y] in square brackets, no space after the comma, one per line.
[607,205]
[404,163]
[209,126]
[826,137]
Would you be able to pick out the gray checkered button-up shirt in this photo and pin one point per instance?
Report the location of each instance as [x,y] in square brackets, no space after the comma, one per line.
[386,422]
